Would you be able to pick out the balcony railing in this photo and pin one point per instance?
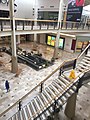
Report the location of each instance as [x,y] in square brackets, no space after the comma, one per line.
[28,24]
[42,85]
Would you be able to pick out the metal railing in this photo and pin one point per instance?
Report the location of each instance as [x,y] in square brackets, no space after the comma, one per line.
[28,24]
[84,51]
[39,85]
[42,82]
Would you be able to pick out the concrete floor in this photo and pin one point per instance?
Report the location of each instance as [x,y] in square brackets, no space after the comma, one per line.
[29,78]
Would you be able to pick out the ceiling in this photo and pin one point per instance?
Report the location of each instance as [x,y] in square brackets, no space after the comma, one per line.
[87,2]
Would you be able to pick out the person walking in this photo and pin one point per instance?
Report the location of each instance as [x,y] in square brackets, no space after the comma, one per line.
[7,85]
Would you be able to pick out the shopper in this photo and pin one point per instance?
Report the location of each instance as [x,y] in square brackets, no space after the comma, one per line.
[7,85]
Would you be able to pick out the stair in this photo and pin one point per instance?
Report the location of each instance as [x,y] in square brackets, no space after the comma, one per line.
[25,113]
[30,112]
[84,64]
[59,90]
[86,61]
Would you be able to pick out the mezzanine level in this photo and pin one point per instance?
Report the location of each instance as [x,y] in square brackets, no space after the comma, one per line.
[26,26]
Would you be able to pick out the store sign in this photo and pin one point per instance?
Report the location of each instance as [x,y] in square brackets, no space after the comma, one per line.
[74,11]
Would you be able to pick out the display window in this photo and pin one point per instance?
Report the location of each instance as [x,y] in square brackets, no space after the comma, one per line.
[53,41]
[50,40]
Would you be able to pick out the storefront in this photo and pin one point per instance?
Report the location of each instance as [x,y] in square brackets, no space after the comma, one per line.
[51,39]
[82,41]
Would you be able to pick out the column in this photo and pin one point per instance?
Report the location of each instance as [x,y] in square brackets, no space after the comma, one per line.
[14,66]
[55,55]
[71,106]
[35,24]
[18,39]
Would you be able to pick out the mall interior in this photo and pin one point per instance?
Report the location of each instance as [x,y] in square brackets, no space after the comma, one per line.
[44,59]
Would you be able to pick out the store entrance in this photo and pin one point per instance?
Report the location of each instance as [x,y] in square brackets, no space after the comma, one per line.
[81,45]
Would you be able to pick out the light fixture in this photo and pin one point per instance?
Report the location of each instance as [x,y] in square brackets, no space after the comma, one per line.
[4,1]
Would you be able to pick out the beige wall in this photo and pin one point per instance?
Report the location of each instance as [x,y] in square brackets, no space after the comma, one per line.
[67,45]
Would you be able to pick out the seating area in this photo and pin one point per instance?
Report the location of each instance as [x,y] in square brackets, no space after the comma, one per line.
[33,60]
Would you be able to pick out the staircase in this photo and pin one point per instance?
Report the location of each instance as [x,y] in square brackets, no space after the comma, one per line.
[54,96]
[84,64]
[42,106]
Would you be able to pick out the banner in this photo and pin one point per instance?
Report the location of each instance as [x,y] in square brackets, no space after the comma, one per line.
[74,10]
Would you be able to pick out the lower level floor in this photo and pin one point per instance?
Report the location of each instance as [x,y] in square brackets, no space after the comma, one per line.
[28,78]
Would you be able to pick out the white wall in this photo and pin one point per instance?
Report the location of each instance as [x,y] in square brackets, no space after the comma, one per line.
[25,7]
[42,38]
[4,7]
[86,11]
[68,43]
[47,4]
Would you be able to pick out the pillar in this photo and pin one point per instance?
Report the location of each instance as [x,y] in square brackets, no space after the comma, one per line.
[55,55]
[18,39]
[35,24]
[71,106]
[14,66]
[65,15]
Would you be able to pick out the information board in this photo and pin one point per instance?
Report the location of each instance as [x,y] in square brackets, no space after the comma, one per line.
[74,10]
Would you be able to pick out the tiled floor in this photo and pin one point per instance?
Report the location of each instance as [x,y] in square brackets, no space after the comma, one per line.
[29,78]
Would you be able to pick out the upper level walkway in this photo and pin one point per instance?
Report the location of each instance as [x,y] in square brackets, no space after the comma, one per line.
[26,26]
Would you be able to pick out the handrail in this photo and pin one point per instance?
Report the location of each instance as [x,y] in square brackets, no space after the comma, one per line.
[36,87]
[83,51]
[27,19]
[4,18]
[20,24]
[60,93]
[23,19]
[43,82]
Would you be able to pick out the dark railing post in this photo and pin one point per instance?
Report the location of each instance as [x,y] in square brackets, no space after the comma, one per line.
[40,25]
[47,25]
[60,72]
[23,25]
[79,85]
[61,24]
[41,88]
[1,26]
[15,25]
[19,107]
[32,25]
[86,51]
[54,107]
[74,65]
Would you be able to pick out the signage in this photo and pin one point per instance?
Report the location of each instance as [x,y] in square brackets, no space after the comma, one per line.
[52,39]
[74,11]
